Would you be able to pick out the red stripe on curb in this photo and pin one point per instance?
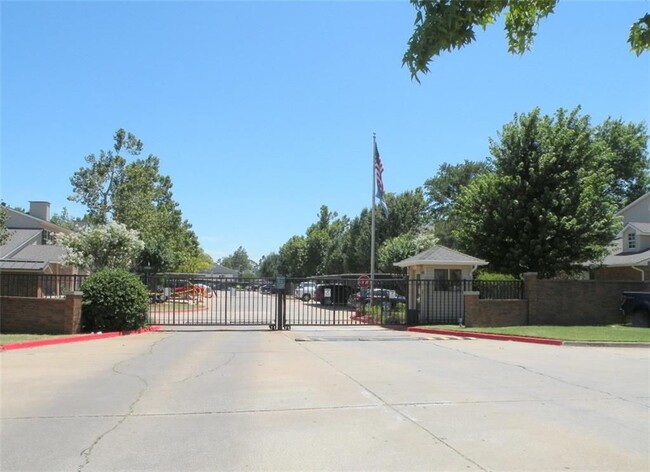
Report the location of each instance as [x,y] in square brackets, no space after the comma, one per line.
[74,339]
[496,337]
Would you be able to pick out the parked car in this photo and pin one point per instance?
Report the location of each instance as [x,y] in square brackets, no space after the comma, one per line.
[636,308]
[268,288]
[379,295]
[305,291]
[338,294]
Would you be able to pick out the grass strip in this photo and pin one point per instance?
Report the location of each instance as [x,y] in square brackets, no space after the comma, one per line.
[610,333]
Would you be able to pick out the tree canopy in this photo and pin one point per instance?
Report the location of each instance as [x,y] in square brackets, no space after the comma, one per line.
[548,205]
[444,25]
[136,194]
[443,189]
[238,260]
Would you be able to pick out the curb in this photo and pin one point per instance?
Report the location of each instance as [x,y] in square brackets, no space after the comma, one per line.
[74,339]
[496,337]
[526,339]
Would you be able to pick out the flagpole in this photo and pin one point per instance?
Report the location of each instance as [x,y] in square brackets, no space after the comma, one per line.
[372,225]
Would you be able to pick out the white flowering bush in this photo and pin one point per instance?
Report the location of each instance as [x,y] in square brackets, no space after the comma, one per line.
[109,246]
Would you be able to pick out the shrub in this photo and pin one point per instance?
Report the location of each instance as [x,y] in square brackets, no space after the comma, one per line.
[114,300]
[494,276]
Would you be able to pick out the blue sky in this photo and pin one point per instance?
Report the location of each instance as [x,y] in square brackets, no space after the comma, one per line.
[261,112]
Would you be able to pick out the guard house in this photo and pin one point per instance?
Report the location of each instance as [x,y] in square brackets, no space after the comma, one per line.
[436,287]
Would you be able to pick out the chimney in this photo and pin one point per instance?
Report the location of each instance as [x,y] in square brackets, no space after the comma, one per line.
[40,210]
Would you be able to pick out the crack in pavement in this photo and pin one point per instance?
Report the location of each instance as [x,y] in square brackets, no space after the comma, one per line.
[209,371]
[287,410]
[87,452]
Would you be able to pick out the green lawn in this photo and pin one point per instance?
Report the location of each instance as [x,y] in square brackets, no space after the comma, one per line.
[17,338]
[612,333]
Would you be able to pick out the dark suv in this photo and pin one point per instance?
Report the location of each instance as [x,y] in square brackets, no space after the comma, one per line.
[338,294]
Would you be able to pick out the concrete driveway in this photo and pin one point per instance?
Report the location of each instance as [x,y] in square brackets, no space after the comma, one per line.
[361,398]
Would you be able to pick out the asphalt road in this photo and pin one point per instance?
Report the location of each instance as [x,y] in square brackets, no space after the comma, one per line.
[360,398]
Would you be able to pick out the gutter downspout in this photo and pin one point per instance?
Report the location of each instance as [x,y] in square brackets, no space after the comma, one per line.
[640,270]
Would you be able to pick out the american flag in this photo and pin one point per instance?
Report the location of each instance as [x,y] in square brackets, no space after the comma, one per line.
[379,170]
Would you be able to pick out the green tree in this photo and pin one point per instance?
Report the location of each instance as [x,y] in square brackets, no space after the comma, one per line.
[547,206]
[627,155]
[293,257]
[109,246]
[65,220]
[443,189]
[137,195]
[4,232]
[321,239]
[238,260]
[444,25]
[269,265]
[404,246]
[94,186]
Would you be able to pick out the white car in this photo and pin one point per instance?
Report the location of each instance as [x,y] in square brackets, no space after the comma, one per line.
[305,291]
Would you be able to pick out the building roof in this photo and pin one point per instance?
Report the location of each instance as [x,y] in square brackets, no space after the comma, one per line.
[441,255]
[641,228]
[18,239]
[622,211]
[42,252]
[16,264]
[33,222]
[626,259]
[218,269]
[618,258]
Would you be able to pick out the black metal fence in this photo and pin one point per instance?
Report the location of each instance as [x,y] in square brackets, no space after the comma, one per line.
[203,300]
[497,289]
[39,285]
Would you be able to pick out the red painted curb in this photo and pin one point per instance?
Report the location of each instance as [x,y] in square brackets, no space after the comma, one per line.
[74,339]
[496,337]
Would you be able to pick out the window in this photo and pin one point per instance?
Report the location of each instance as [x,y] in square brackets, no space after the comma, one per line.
[631,241]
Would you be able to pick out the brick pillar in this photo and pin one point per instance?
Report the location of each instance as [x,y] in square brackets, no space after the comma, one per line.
[72,315]
[472,314]
[530,294]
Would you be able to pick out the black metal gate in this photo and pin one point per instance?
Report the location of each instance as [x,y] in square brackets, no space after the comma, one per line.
[279,304]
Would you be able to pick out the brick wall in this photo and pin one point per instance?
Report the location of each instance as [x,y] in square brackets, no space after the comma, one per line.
[494,313]
[554,302]
[41,315]
[576,302]
[620,273]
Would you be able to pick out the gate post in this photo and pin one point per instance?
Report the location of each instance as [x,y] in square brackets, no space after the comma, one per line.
[279,312]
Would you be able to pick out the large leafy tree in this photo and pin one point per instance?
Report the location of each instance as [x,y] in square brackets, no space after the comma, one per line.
[269,265]
[548,204]
[407,213]
[443,189]
[626,147]
[137,195]
[443,25]
[238,260]
[95,185]
[293,256]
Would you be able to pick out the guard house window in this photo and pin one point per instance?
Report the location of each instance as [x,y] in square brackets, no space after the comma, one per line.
[447,279]
[631,241]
